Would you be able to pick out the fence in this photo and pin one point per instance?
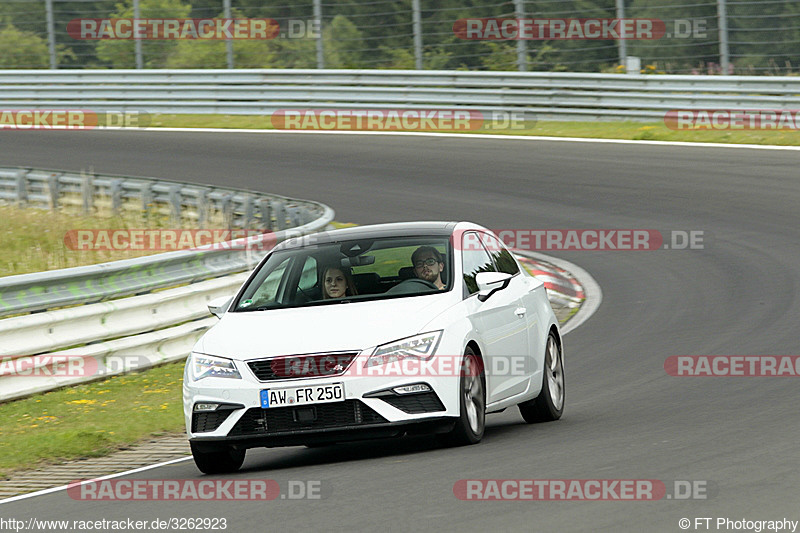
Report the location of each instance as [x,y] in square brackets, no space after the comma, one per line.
[541,94]
[702,36]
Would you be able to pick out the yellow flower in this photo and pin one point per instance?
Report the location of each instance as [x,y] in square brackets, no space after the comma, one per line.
[83,402]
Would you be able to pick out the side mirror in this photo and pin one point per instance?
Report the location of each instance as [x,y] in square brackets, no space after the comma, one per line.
[491,282]
[218,306]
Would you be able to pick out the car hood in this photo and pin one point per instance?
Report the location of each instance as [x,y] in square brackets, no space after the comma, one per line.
[338,327]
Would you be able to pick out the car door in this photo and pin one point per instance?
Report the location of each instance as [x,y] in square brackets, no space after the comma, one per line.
[523,287]
[502,332]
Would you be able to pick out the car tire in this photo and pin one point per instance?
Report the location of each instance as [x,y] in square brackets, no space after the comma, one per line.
[471,422]
[549,405]
[222,461]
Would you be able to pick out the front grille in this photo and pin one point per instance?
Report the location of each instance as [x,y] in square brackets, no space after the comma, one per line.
[208,421]
[257,421]
[427,402]
[301,366]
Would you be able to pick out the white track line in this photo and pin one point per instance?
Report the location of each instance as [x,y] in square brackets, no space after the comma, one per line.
[467,136]
[110,476]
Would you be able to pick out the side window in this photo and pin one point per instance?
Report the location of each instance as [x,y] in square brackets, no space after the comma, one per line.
[268,290]
[308,278]
[475,259]
[502,257]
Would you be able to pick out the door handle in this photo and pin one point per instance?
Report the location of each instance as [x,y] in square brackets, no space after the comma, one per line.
[520,311]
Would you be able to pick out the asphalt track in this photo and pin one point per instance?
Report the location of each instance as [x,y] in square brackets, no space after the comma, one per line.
[625,417]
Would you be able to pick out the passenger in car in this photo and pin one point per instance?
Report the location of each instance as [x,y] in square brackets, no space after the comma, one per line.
[428,265]
[337,282]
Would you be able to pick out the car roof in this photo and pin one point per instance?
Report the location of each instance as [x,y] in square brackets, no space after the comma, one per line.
[395,229]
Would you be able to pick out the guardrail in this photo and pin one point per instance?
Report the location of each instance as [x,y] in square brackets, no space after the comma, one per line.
[147,329]
[80,285]
[543,94]
[116,337]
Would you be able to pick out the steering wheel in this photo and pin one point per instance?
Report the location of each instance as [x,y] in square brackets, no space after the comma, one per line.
[412,285]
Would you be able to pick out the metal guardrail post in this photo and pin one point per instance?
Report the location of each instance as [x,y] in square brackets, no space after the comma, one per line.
[51,34]
[416,17]
[279,212]
[724,54]
[175,204]
[228,42]
[522,46]
[294,215]
[53,190]
[227,210]
[622,44]
[137,43]
[22,188]
[202,208]
[249,211]
[318,24]
[87,193]
[266,213]
[116,196]
[146,194]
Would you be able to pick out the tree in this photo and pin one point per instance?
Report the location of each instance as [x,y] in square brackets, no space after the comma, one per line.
[22,49]
[193,53]
[121,54]
[213,54]
[344,44]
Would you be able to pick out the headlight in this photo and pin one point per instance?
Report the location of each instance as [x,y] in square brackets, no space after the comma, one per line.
[421,346]
[208,366]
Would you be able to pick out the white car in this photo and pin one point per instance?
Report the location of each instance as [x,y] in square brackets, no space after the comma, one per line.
[342,336]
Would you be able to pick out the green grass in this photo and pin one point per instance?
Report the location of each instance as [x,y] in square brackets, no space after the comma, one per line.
[90,420]
[630,130]
[32,240]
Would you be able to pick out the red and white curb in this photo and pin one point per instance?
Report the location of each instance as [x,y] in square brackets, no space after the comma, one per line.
[569,275]
[562,287]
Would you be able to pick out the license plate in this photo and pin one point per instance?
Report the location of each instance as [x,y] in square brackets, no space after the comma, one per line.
[310,394]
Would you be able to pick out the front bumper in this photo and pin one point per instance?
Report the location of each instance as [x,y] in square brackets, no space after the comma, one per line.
[367,410]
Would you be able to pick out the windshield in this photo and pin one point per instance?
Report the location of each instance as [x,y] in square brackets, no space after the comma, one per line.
[349,272]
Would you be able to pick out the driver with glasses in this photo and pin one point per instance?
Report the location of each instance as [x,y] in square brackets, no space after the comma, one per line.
[428,265]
